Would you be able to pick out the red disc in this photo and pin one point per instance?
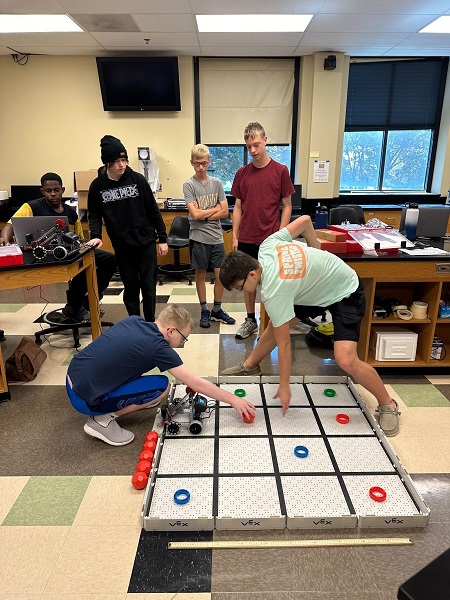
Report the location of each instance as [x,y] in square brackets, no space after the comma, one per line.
[149,445]
[147,455]
[377,494]
[139,480]
[144,466]
[152,435]
[248,419]
[343,419]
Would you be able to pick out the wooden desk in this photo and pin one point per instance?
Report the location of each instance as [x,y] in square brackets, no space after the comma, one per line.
[406,279]
[32,274]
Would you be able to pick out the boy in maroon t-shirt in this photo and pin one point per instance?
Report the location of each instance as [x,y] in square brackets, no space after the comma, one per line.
[259,188]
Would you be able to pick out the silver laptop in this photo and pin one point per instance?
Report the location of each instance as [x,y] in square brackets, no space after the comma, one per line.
[431,222]
[36,226]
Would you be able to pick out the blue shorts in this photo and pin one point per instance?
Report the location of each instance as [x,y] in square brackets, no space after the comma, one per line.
[139,391]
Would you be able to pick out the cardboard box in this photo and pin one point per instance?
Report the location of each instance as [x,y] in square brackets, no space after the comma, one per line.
[333,236]
[353,246]
[333,247]
[81,182]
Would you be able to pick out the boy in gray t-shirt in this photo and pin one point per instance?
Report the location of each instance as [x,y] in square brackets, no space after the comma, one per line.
[207,204]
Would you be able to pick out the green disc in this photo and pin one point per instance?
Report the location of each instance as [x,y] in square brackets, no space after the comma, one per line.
[329,392]
[239,392]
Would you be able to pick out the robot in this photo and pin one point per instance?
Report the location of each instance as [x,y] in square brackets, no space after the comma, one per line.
[54,242]
[197,408]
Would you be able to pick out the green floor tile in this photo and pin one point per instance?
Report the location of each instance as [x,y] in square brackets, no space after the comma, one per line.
[71,354]
[420,395]
[234,307]
[11,308]
[186,291]
[48,501]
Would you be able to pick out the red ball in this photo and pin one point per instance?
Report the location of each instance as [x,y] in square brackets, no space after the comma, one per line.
[149,445]
[152,435]
[147,455]
[144,466]
[139,480]
[248,419]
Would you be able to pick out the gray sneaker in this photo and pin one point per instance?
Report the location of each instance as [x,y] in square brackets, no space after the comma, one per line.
[248,327]
[388,419]
[112,433]
[241,370]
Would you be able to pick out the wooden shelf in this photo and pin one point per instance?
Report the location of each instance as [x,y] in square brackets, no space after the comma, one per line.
[391,320]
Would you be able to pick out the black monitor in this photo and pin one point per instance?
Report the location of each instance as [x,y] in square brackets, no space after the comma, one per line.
[297,199]
[139,83]
[20,194]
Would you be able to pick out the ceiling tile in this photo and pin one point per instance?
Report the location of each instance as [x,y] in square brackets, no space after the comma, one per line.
[174,23]
[106,22]
[138,39]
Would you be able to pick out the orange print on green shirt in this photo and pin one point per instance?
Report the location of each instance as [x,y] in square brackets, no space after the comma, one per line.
[291,261]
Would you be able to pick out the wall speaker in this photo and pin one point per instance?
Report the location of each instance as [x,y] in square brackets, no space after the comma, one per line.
[329,64]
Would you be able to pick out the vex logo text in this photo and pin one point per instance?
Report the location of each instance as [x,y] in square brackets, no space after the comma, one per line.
[178,524]
[322,522]
[393,521]
[251,522]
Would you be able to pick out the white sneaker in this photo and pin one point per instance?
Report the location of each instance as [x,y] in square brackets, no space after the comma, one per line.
[248,327]
[111,433]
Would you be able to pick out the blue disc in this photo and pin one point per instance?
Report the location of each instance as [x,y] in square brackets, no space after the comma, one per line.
[182,497]
[301,451]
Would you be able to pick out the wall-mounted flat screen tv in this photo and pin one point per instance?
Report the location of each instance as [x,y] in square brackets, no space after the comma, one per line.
[139,83]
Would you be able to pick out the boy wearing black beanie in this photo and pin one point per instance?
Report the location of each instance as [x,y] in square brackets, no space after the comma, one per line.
[125,202]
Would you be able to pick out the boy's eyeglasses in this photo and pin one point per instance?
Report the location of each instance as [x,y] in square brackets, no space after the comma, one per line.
[200,164]
[241,287]
[185,339]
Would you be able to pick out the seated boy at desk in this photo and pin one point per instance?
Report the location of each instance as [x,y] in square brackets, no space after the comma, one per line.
[105,380]
[51,205]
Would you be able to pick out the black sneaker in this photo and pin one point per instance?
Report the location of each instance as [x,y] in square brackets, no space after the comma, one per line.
[205,319]
[222,317]
[79,316]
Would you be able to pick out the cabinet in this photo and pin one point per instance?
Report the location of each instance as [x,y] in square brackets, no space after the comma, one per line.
[406,281]
[390,217]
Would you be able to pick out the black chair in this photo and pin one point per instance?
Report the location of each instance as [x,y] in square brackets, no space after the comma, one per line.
[342,214]
[359,212]
[178,238]
[59,322]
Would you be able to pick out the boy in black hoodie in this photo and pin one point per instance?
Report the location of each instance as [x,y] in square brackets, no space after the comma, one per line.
[125,202]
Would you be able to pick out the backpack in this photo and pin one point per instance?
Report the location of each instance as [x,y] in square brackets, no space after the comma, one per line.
[25,362]
[321,336]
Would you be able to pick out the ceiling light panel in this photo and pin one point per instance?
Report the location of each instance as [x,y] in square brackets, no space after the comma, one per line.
[252,23]
[37,24]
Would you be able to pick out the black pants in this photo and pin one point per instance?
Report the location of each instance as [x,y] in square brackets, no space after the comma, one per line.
[138,270]
[105,264]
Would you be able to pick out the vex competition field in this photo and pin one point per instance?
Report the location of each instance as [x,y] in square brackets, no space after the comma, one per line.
[326,464]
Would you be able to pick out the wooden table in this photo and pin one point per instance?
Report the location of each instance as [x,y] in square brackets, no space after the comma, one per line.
[32,274]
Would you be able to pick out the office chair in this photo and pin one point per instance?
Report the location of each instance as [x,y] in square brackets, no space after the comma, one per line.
[59,322]
[341,214]
[359,212]
[178,238]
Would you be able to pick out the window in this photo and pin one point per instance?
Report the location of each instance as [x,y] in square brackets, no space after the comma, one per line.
[227,159]
[391,125]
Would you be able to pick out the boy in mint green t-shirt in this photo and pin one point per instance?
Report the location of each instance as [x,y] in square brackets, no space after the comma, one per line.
[298,280]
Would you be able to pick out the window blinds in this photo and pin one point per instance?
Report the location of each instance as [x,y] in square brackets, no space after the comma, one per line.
[395,94]
[234,92]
